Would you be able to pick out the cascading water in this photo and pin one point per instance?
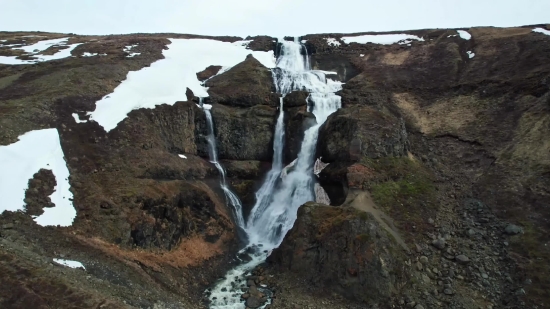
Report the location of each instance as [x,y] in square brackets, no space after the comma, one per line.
[278,198]
[271,221]
[232,198]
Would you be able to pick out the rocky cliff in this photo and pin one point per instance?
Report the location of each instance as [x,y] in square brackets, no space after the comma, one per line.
[446,134]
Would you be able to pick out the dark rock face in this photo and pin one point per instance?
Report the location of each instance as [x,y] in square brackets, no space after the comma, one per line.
[208,72]
[341,249]
[242,134]
[262,43]
[297,120]
[337,63]
[355,132]
[227,88]
[170,218]
[41,186]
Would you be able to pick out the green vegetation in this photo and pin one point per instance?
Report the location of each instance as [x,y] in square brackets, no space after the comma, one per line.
[404,189]
[363,216]
[363,238]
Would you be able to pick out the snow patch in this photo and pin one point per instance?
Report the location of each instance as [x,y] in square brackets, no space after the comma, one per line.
[77,119]
[332,42]
[242,43]
[165,81]
[64,53]
[452,35]
[386,39]
[129,48]
[541,30]
[43,45]
[361,55]
[87,54]
[69,263]
[182,156]
[328,72]
[464,34]
[18,163]
[205,106]
[471,54]
[302,41]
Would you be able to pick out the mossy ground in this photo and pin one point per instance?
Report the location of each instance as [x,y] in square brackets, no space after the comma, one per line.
[405,189]
[537,269]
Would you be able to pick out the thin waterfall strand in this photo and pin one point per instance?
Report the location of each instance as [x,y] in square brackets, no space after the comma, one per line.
[232,198]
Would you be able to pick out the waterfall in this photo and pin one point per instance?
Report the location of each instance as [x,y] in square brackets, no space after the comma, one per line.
[231,198]
[272,220]
[283,189]
[263,195]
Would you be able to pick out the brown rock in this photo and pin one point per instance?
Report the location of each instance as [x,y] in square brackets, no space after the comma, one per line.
[208,72]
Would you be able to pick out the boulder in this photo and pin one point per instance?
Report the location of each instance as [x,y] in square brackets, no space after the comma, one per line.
[513,229]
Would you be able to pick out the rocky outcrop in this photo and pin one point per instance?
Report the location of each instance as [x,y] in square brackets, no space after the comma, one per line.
[262,43]
[344,250]
[228,89]
[295,99]
[41,186]
[208,72]
[188,211]
[356,132]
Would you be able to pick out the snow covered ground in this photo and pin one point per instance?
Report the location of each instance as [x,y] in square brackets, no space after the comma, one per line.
[42,45]
[332,41]
[166,80]
[21,160]
[386,39]
[35,50]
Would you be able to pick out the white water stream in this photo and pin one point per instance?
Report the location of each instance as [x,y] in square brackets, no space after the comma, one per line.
[232,198]
[278,199]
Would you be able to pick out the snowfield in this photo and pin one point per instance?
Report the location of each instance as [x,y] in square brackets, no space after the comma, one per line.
[166,80]
[21,160]
[386,39]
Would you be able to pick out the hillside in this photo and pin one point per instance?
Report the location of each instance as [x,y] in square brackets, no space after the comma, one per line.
[439,174]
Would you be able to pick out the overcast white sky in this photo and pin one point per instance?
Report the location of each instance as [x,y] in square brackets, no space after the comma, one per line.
[257,17]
